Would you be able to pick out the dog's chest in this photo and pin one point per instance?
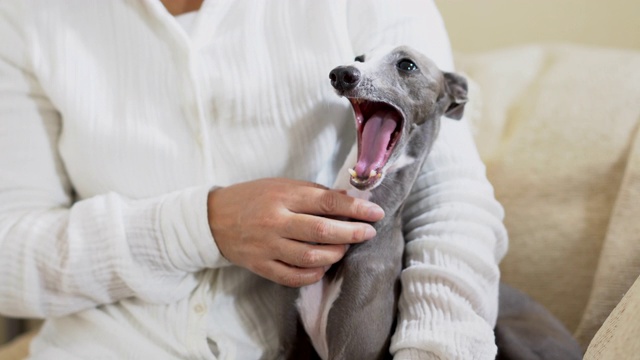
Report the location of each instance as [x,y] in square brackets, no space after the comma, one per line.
[313,305]
[364,195]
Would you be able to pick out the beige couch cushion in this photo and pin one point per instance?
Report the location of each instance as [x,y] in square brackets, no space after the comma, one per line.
[558,131]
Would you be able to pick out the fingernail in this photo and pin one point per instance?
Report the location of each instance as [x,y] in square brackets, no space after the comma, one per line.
[369,232]
[375,211]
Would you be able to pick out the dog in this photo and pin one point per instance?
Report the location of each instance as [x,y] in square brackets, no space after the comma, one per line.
[398,99]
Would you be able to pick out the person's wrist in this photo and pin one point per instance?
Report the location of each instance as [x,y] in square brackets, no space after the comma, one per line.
[185,231]
[213,204]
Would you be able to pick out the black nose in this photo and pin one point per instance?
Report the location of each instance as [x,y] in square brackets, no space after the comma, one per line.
[344,77]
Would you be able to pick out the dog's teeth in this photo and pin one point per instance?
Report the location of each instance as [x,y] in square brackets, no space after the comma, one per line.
[372,173]
[379,174]
[352,173]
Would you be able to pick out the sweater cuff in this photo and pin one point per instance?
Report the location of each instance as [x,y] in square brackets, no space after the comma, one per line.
[463,349]
[416,354]
[435,316]
[468,341]
[185,228]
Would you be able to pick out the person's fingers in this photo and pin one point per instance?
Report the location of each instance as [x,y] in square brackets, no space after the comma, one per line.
[306,255]
[302,183]
[287,275]
[252,222]
[333,203]
[317,229]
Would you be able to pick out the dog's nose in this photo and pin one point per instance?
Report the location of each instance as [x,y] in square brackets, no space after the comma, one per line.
[344,77]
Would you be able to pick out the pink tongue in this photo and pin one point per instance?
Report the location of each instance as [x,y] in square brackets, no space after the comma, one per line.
[375,139]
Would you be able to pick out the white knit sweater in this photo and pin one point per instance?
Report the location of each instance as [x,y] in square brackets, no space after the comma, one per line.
[114,125]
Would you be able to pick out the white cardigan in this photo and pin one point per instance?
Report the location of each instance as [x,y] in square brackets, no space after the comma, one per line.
[114,125]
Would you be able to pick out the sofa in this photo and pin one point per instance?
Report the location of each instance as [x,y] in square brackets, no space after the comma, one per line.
[558,127]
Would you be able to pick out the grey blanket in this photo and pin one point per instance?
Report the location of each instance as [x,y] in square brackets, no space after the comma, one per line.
[527,331]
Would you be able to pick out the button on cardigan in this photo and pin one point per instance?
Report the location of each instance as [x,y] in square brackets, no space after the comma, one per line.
[115,122]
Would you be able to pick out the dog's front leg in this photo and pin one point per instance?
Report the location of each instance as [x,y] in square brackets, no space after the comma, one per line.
[362,318]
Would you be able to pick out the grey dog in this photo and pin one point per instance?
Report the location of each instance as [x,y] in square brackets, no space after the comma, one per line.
[399,97]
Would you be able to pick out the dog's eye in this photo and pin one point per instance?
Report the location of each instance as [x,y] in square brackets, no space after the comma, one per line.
[406,65]
[359,58]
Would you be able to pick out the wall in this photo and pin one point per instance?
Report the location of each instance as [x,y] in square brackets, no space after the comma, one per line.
[478,25]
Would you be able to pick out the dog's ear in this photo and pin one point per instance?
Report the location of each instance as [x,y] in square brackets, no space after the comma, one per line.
[456,90]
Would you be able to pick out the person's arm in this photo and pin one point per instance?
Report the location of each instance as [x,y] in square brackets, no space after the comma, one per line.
[58,256]
[452,222]
[455,240]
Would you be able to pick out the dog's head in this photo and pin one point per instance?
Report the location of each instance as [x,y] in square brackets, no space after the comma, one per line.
[398,97]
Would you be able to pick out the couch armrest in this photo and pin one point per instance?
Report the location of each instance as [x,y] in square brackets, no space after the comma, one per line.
[618,336]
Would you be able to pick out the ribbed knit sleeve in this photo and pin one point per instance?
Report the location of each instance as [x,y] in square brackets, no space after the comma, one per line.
[59,257]
[453,224]
[455,239]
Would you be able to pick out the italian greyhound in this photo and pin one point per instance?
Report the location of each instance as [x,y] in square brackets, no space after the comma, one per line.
[398,98]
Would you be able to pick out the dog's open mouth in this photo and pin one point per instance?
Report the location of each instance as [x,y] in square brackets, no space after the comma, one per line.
[379,127]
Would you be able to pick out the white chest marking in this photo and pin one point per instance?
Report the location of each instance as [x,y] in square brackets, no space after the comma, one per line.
[314,304]
[342,181]
[365,195]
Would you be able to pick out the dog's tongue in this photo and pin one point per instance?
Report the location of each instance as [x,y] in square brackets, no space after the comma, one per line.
[374,142]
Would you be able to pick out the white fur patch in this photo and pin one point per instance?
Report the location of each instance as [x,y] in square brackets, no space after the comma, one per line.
[342,181]
[373,59]
[314,304]
[364,195]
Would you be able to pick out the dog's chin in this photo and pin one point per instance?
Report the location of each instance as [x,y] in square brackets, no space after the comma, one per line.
[366,184]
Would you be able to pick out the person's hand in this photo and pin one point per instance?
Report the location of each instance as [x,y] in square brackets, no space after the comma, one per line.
[285,230]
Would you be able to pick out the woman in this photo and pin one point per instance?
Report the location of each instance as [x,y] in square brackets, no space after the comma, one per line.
[148,151]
